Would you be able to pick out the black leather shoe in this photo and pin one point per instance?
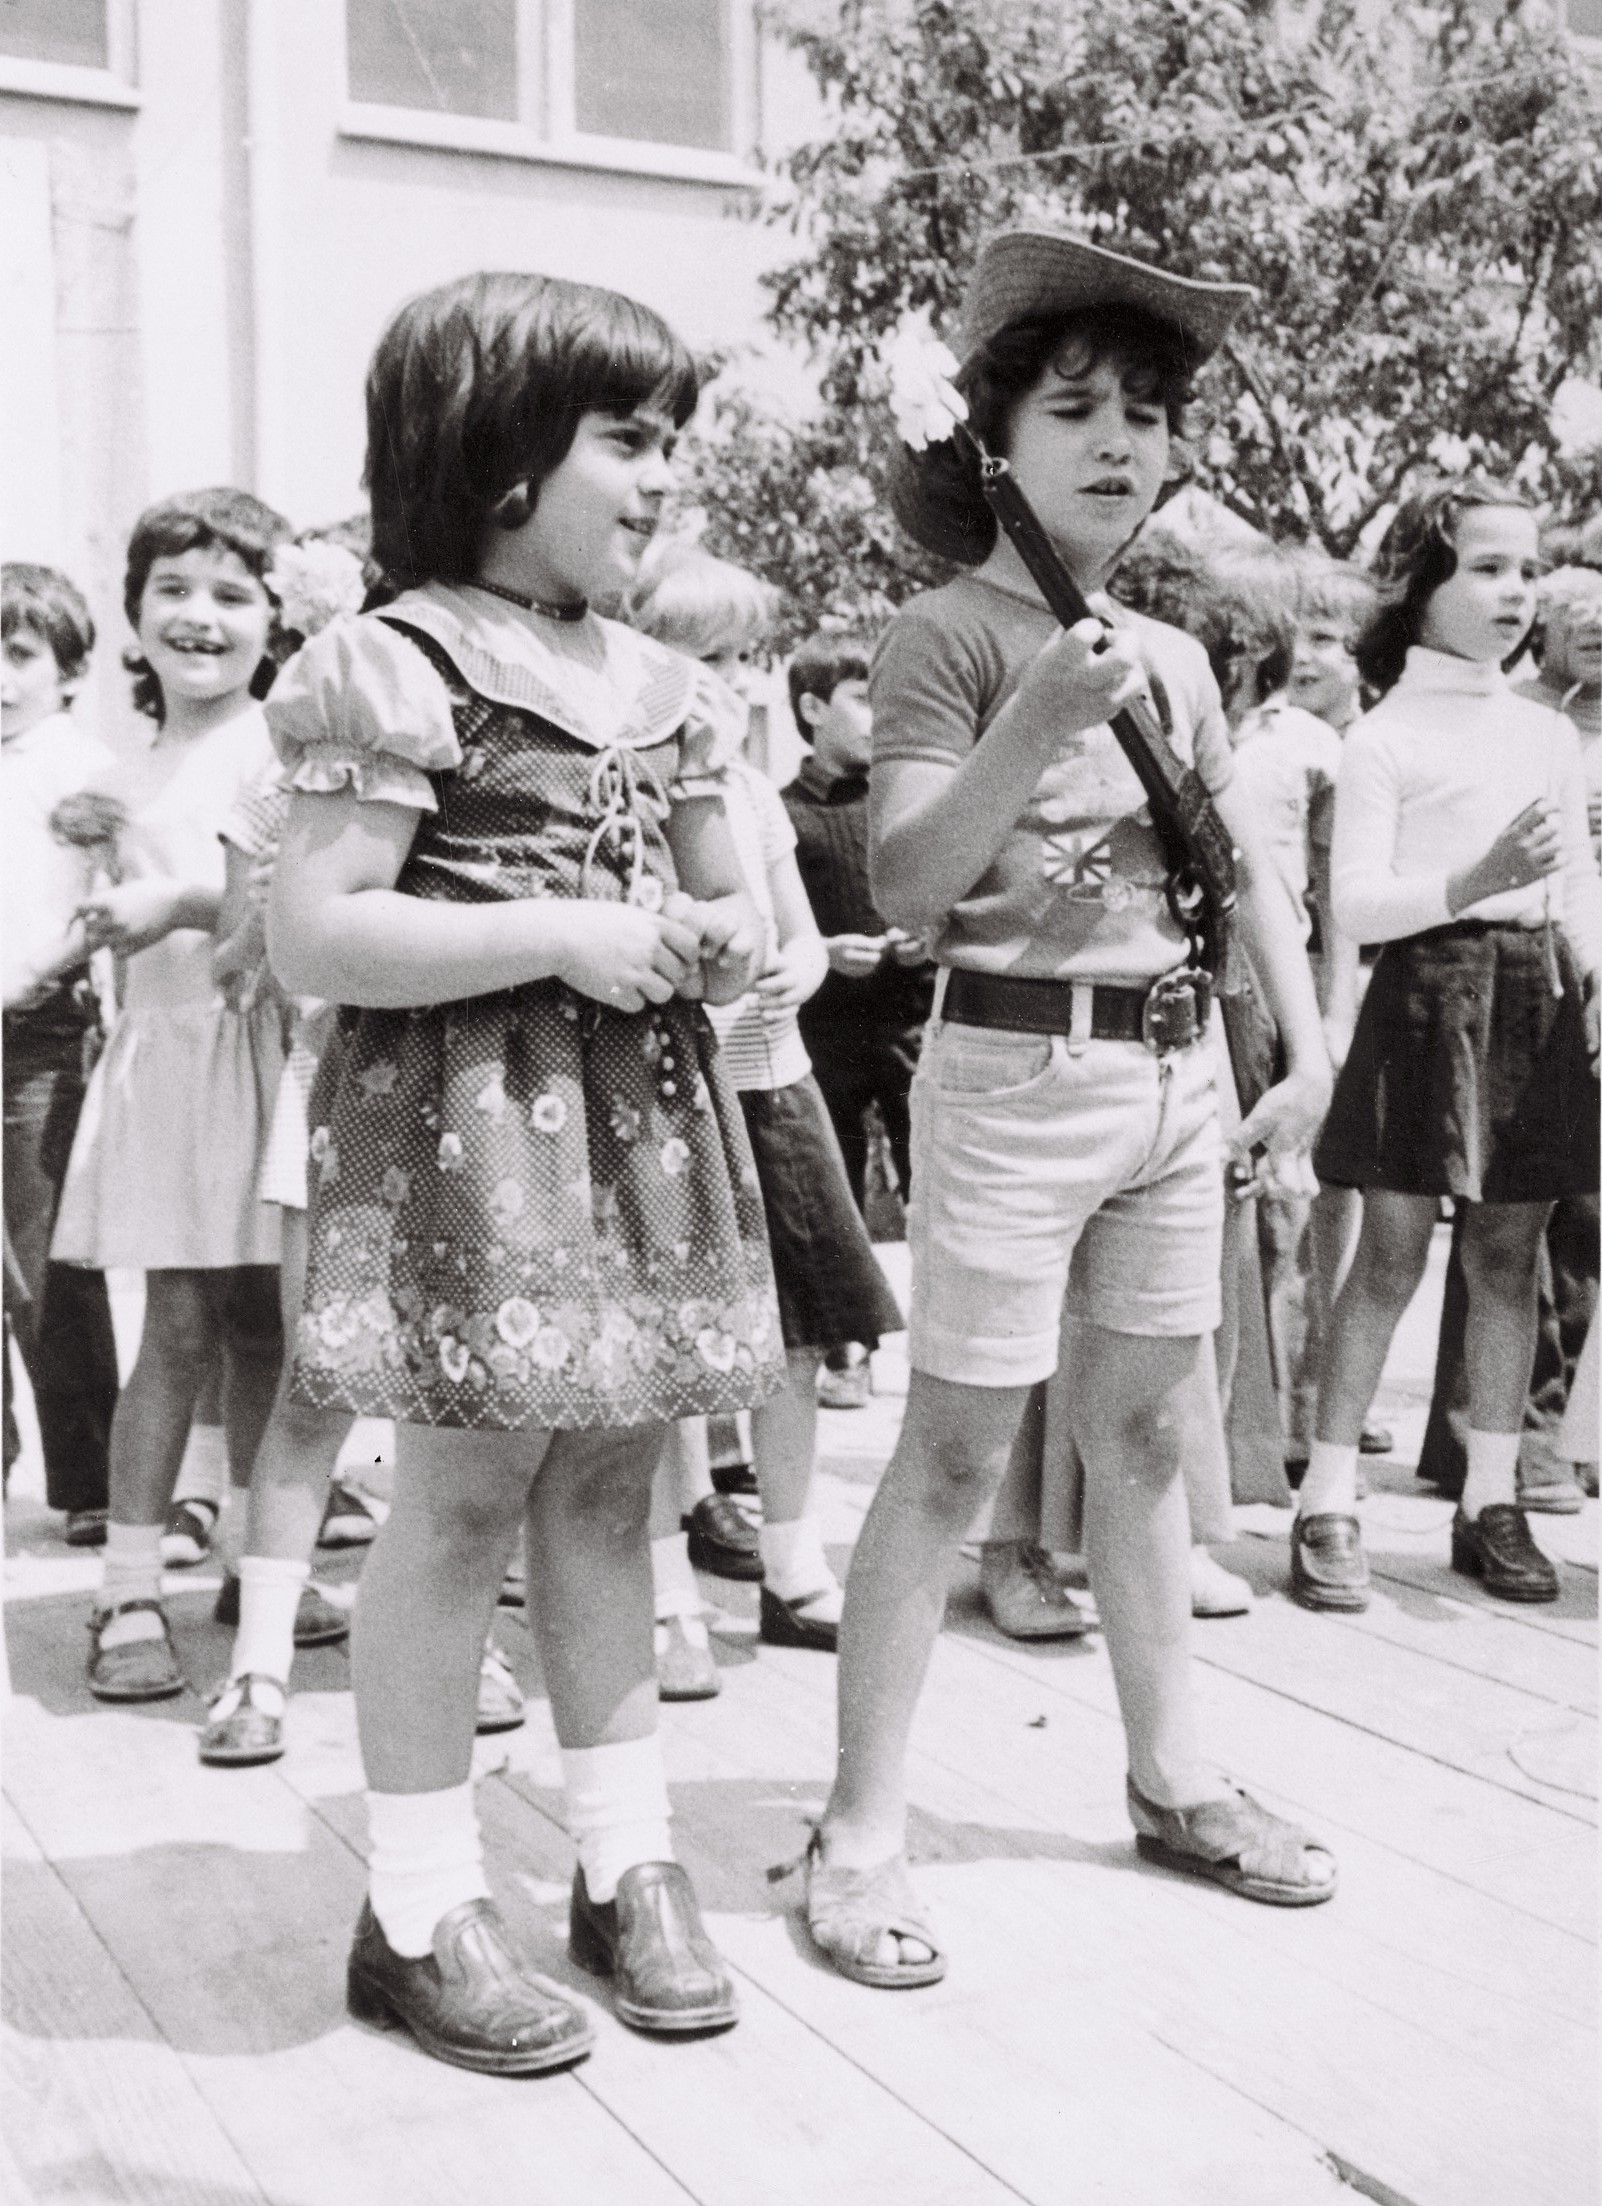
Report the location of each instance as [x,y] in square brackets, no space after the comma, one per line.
[319,1622]
[1328,1567]
[471,2001]
[723,1539]
[1497,1548]
[667,1975]
[787,1624]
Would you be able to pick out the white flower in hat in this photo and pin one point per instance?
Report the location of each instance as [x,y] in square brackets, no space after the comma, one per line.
[315,583]
[924,399]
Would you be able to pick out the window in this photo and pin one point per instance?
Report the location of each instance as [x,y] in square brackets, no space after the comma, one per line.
[69,50]
[656,85]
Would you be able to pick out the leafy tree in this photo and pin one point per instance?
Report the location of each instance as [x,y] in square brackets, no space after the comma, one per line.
[1416,193]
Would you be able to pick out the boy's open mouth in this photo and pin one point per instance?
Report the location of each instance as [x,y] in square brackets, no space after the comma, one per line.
[1110,486]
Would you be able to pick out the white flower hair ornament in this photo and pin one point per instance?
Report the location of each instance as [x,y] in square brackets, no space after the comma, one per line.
[315,583]
[924,400]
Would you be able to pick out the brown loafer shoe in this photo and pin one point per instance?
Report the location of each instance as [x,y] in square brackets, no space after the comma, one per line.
[667,1975]
[471,2001]
[248,1735]
[139,1669]
[1328,1566]
[319,1622]
[1497,1548]
[723,1539]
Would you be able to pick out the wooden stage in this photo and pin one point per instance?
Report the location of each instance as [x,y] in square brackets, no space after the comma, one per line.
[174,1937]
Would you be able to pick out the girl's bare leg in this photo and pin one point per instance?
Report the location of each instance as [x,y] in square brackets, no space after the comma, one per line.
[155,1409]
[589,1565]
[300,1447]
[1392,1249]
[1501,1259]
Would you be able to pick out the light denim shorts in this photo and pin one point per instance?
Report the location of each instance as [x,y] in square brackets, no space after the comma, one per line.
[1042,1168]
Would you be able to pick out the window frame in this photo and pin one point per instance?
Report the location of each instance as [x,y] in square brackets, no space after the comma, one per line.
[117,85]
[545,131]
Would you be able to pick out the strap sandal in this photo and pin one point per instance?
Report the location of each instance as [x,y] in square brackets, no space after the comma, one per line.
[1235,1842]
[240,1735]
[851,1911]
[133,1669]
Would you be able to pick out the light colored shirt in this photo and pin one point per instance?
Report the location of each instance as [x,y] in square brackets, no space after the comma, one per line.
[1287,761]
[45,880]
[1077,889]
[1429,779]
[760,1052]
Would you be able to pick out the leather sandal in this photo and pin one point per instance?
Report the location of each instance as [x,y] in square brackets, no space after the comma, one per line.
[1234,1842]
[667,1976]
[135,1669]
[850,1911]
[248,1734]
[1497,1548]
[471,2001]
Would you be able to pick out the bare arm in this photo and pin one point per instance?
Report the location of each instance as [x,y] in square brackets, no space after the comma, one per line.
[337,927]
[797,972]
[709,870]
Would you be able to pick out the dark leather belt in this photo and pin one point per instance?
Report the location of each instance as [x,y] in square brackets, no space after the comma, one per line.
[1169,1015]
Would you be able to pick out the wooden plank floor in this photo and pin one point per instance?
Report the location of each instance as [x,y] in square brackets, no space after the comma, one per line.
[174,1937]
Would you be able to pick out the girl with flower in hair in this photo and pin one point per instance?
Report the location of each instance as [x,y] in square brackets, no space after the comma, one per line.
[535,1236]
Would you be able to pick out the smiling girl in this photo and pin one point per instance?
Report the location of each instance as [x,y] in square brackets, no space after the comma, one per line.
[163,1170]
[1461,845]
[534,1234]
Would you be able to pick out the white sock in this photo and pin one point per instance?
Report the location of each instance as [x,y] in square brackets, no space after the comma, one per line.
[1329,1487]
[617,1810]
[425,1858]
[677,1593]
[131,1572]
[269,1594]
[1492,1475]
[794,1565]
[203,1475]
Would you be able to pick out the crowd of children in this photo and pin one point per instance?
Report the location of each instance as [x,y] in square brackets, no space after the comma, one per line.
[453,1025]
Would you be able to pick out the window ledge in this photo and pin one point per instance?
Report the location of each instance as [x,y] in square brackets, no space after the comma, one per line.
[56,80]
[405,126]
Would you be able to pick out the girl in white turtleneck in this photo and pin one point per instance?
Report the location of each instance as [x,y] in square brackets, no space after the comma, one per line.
[1461,846]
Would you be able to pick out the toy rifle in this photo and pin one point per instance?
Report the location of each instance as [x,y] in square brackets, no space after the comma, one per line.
[1200,855]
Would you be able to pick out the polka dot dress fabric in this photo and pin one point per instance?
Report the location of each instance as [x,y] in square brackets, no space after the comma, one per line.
[528,1210]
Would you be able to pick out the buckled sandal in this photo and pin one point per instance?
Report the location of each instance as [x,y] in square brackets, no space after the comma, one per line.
[850,1911]
[248,1733]
[134,1669]
[1234,1842]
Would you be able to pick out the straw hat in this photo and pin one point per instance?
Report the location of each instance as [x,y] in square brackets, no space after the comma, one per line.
[1025,273]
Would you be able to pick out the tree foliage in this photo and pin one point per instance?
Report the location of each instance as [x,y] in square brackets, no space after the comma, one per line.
[1417,195]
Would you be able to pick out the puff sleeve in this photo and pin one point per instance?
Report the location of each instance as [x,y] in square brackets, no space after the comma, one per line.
[713,734]
[361,707]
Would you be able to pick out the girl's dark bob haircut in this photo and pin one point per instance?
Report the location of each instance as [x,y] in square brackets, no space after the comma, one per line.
[481,385]
[193,521]
[1417,553]
[936,493]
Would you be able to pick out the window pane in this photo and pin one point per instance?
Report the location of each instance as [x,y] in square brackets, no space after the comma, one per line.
[454,57]
[653,69]
[55,30]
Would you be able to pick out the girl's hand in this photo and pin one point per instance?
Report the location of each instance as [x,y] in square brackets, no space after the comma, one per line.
[625,957]
[794,974]
[1528,849]
[131,916]
[1081,678]
[856,955]
[733,940]
[1283,1124]
[687,912]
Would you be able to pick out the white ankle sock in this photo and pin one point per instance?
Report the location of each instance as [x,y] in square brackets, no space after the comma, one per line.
[131,1572]
[1492,1476]
[617,1810]
[672,1579]
[203,1475]
[425,1859]
[269,1594]
[1329,1486]
[794,1564]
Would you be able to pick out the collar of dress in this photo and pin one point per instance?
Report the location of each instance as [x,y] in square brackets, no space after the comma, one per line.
[605,685]
[1443,674]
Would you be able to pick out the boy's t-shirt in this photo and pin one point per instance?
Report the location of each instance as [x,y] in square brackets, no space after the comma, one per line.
[1288,762]
[1076,890]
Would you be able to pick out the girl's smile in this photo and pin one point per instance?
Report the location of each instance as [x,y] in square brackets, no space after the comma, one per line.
[204,620]
[594,515]
[1483,611]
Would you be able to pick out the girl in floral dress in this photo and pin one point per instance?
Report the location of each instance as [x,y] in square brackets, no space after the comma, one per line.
[535,1235]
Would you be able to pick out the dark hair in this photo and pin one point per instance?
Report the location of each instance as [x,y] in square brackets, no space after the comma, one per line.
[1417,553]
[44,603]
[196,520]
[822,663]
[480,385]
[936,493]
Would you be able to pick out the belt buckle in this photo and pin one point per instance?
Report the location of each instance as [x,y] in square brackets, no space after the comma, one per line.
[1174,1012]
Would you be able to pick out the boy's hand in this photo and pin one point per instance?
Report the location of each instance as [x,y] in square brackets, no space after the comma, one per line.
[1282,1126]
[625,957]
[908,949]
[733,939]
[1082,677]
[793,974]
[130,916]
[856,955]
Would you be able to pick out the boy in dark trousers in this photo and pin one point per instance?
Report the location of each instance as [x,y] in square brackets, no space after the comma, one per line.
[864,1026]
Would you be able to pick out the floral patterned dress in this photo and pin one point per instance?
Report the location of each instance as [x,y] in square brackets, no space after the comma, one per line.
[525,1209]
